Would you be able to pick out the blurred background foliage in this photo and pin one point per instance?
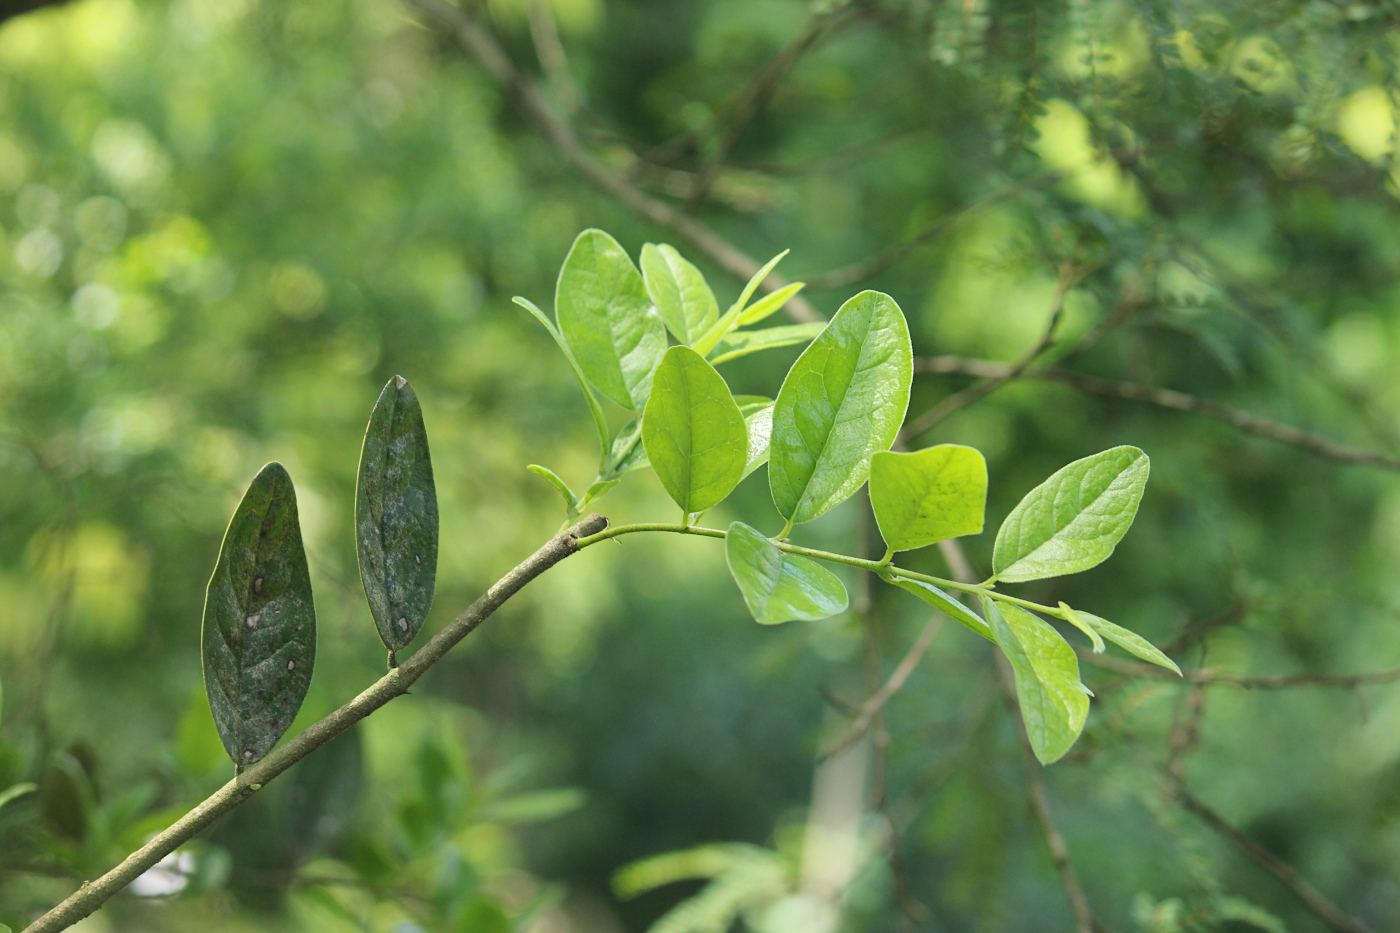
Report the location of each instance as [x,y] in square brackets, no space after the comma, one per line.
[223,225]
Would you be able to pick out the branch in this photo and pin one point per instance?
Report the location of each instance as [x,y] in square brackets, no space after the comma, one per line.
[93,894]
[871,707]
[1166,398]
[487,52]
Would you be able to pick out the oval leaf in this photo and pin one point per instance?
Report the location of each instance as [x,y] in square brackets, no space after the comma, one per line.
[842,401]
[259,634]
[928,496]
[1074,519]
[396,516]
[780,587]
[679,291]
[1053,703]
[952,608]
[608,319]
[693,432]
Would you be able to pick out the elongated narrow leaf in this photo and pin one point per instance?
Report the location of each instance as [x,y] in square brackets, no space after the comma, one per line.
[679,291]
[707,342]
[15,791]
[943,602]
[1074,519]
[1074,618]
[928,496]
[780,587]
[396,516]
[768,304]
[259,632]
[608,319]
[743,342]
[1129,641]
[759,423]
[694,434]
[1053,702]
[842,401]
[600,422]
[570,500]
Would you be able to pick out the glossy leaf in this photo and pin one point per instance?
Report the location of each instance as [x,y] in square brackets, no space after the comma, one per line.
[396,516]
[1079,622]
[1053,702]
[1129,641]
[928,496]
[259,632]
[608,319]
[600,422]
[769,304]
[758,421]
[679,291]
[694,434]
[570,500]
[780,587]
[743,342]
[943,602]
[842,401]
[706,343]
[1074,519]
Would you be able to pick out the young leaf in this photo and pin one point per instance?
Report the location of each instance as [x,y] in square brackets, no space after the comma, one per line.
[928,496]
[693,432]
[608,319]
[843,400]
[706,343]
[396,516]
[944,603]
[1053,704]
[259,632]
[1074,519]
[599,420]
[679,291]
[779,587]
[758,420]
[1131,642]
[627,451]
[570,500]
[1074,618]
[743,342]
[769,303]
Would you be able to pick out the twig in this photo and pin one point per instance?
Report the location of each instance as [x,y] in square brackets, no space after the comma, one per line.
[1166,398]
[544,32]
[1244,682]
[1321,907]
[93,894]
[892,685]
[487,52]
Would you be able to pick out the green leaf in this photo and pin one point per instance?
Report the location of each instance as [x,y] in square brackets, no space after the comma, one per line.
[1131,642]
[693,432]
[938,599]
[627,451]
[396,516]
[15,791]
[679,292]
[779,587]
[600,422]
[259,632]
[842,401]
[928,496]
[535,806]
[743,342]
[1053,703]
[769,303]
[570,500]
[608,319]
[758,421]
[1075,619]
[705,344]
[1074,519]
[748,404]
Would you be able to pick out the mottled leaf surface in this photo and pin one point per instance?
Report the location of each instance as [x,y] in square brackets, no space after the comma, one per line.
[259,635]
[929,495]
[842,401]
[743,342]
[1053,703]
[943,602]
[694,434]
[396,516]
[679,291]
[1074,519]
[608,319]
[780,587]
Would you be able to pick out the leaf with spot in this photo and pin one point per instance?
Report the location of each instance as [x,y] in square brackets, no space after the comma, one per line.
[928,496]
[396,516]
[679,292]
[1053,702]
[259,633]
[694,434]
[842,401]
[780,587]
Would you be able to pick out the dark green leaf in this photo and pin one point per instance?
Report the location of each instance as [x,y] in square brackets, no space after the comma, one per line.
[928,496]
[743,342]
[842,401]
[679,291]
[694,434]
[396,516]
[259,632]
[608,319]
[1053,702]
[779,587]
[570,500]
[943,602]
[600,422]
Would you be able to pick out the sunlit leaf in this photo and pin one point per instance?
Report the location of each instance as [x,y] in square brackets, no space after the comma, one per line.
[769,304]
[758,421]
[1079,622]
[570,500]
[1053,703]
[780,587]
[928,496]
[743,342]
[679,291]
[707,342]
[695,436]
[1131,642]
